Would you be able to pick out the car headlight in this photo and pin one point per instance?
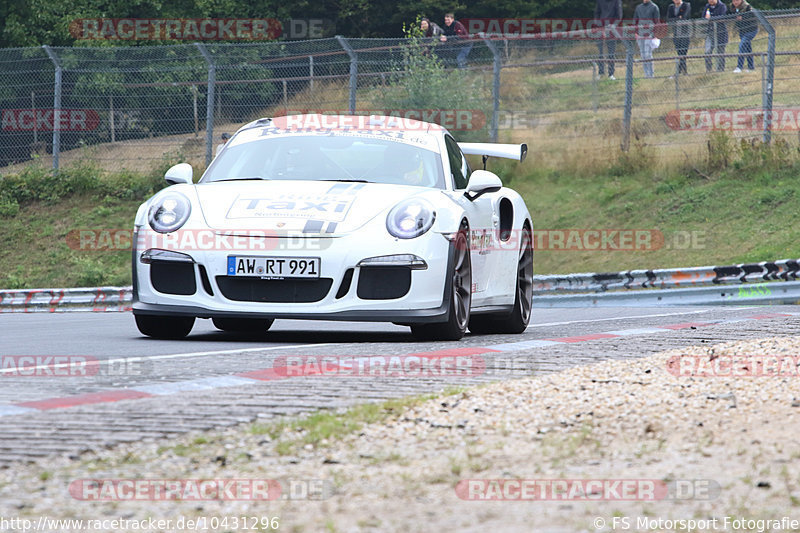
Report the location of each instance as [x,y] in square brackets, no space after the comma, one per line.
[169,213]
[410,218]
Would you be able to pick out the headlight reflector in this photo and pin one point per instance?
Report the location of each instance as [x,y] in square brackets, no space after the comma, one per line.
[410,218]
[169,212]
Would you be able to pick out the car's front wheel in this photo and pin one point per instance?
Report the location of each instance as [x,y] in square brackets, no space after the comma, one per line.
[164,327]
[517,320]
[242,325]
[460,280]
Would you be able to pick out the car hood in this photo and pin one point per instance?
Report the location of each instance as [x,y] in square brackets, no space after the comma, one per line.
[316,208]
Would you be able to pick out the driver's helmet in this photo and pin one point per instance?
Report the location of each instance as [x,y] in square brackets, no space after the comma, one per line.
[406,162]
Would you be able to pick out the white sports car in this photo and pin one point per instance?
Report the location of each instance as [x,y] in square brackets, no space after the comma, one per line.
[336,218]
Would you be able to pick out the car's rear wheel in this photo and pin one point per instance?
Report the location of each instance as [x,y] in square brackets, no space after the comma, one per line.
[164,327]
[250,325]
[460,280]
[520,315]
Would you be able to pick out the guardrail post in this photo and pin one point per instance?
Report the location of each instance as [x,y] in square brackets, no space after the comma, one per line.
[626,116]
[212,79]
[56,106]
[496,66]
[766,97]
[353,71]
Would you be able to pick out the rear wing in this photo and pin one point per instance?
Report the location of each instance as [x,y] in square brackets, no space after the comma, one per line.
[508,151]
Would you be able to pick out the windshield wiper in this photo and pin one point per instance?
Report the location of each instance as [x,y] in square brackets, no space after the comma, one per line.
[244,178]
[346,180]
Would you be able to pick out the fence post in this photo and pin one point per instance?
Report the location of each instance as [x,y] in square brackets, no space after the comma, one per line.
[111,118]
[677,84]
[35,127]
[766,97]
[56,106]
[496,66]
[353,71]
[212,75]
[626,116]
[594,86]
[311,72]
[194,108]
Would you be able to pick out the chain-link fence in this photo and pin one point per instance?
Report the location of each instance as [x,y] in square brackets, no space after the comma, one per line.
[576,99]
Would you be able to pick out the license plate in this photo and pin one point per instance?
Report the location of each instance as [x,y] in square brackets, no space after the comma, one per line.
[274,267]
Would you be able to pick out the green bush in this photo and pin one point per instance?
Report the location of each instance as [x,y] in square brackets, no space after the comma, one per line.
[35,183]
[423,82]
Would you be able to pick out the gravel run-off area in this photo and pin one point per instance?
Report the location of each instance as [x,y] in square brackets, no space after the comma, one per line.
[697,439]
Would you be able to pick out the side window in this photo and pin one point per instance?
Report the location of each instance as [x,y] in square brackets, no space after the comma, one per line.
[459,168]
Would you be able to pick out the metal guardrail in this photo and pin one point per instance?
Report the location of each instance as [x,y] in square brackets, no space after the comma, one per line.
[782,270]
[87,299]
[768,282]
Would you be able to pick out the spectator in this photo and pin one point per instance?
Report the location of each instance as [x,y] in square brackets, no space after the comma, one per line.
[430,29]
[645,17]
[747,26]
[220,146]
[608,12]
[454,30]
[678,12]
[716,33]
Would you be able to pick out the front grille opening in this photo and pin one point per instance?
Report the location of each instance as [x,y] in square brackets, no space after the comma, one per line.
[383,283]
[247,289]
[169,277]
[344,288]
[205,281]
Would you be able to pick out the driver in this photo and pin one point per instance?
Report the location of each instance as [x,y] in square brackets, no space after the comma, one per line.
[406,162]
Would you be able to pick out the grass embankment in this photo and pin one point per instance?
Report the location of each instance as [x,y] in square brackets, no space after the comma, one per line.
[737,207]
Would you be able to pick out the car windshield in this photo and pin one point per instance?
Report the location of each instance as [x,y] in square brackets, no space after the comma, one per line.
[328,157]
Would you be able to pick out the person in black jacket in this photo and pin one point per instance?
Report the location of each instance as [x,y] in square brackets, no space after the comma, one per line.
[748,27]
[676,13]
[454,31]
[609,12]
[717,32]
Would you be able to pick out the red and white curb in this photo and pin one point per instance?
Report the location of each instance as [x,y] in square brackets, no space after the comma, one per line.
[275,373]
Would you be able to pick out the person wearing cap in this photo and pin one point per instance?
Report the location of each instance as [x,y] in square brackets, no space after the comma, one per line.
[716,32]
[748,28]
[220,146]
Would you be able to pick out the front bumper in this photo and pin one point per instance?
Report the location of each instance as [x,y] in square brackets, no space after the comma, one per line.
[425,301]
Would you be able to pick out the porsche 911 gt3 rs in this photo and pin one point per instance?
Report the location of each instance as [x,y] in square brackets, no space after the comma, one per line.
[336,218]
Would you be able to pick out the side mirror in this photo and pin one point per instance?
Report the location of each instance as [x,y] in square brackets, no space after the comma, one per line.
[481,182]
[180,173]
